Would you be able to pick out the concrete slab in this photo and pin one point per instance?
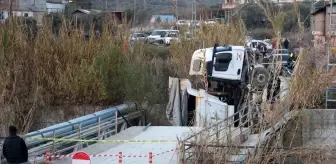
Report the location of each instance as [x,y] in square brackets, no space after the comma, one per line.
[164,153]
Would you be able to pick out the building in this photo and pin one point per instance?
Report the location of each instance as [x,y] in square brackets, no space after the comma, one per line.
[231,4]
[86,14]
[55,6]
[23,8]
[321,29]
[162,19]
[95,17]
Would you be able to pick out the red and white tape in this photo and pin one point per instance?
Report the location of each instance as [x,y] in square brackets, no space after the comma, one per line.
[168,151]
[115,155]
[100,155]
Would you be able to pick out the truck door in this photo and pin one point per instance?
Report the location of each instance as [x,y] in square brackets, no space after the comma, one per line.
[228,65]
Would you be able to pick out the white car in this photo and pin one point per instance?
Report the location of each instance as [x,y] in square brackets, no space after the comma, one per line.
[139,37]
[170,37]
[195,23]
[159,35]
[210,22]
[183,23]
[254,43]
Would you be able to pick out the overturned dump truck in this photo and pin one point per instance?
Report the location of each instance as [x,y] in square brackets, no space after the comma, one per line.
[236,84]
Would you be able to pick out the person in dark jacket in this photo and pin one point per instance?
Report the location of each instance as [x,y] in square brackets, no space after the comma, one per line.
[286,44]
[14,148]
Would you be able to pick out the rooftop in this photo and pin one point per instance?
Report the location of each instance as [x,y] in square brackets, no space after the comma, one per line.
[322,9]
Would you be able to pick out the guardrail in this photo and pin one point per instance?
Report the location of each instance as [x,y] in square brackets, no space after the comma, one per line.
[70,136]
[222,140]
[201,145]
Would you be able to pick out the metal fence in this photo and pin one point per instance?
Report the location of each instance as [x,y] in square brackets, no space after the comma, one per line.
[225,143]
[71,136]
[208,144]
[69,142]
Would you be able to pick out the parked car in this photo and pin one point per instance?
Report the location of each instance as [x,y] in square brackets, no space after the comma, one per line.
[210,22]
[158,36]
[254,43]
[171,37]
[183,23]
[139,37]
[195,23]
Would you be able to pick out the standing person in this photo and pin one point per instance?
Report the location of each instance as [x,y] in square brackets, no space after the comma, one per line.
[264,50]
[286,44]
[14,148]
[273,44]
[259,47]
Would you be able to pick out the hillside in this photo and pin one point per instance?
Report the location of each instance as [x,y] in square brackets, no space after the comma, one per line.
[154,5]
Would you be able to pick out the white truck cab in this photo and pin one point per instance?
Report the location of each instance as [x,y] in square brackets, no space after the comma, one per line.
[222,62]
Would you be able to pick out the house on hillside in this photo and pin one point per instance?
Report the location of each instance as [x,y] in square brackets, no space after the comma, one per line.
[162,19]
[55,6]
[89,17]
[321,29]
[84,14]
[24,8]
[230,4]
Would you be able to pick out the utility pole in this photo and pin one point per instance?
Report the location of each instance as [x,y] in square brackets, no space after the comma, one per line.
[193,19]
[145,4]
[312,9]
[117,5]
[134,7]
[201,2]
[176,9]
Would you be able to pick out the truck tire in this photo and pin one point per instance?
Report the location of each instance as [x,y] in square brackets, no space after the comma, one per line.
[260,77]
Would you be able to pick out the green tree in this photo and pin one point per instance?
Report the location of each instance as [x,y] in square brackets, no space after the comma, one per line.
[254,17]
[158,20]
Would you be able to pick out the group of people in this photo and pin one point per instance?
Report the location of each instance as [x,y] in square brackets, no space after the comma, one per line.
[14,148]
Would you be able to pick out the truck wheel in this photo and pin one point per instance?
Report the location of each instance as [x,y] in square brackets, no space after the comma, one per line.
[260,77]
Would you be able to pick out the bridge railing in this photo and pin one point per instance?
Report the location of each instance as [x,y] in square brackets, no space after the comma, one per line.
[74,135]
[223,140]
[204,143]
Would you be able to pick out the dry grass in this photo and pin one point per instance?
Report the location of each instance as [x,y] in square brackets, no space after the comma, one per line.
[66,69]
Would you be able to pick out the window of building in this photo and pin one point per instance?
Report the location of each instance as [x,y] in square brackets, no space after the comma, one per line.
[25,14]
